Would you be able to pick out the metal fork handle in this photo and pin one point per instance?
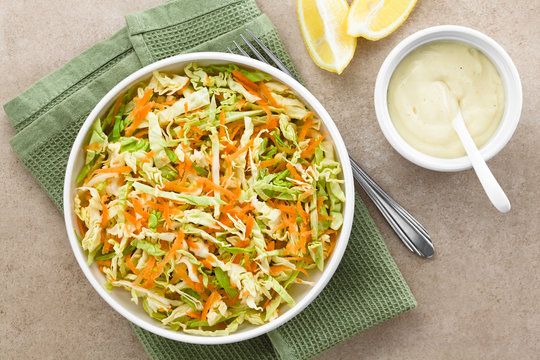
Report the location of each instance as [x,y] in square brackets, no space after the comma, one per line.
[407,228]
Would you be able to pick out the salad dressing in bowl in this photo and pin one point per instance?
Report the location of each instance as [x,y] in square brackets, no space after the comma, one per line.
[429,85]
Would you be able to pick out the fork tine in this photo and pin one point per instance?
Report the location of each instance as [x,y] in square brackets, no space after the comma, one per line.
[240,49]
[228,48]
[255,51]
[271,55]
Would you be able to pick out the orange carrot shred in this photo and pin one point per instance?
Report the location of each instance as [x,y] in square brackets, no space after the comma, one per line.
[268,95]
[192,244]
[148,156]
[103,262]
[303,271]
[211,299]
[137,206]
[82,227]
[145,271]
[293,172]
[243,79]
[210,184]
[240,104]
[167,214]
[142,108]
[193,315]
[222,124]
[105,211]
[305,128]
[311,148]
[276,269]
[240,151]
[269,162]
[92,146]
[139,134]
[159,268]
[130,264]
[131,219]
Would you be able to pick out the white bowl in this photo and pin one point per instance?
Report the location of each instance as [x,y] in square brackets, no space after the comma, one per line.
[494,52]
[118,298]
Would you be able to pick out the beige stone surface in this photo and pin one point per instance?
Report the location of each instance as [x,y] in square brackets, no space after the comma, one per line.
[477,299]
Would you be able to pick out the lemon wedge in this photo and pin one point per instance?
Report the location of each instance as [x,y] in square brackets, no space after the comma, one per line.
[375,19]
[324,28]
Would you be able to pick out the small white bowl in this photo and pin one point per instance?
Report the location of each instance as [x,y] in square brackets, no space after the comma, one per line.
[119,299]
[498,56]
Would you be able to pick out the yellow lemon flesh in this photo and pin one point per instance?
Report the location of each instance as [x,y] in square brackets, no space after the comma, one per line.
[375,19]
[324,28]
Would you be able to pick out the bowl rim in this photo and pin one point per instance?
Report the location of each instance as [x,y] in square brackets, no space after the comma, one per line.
[493,51]
[330,266]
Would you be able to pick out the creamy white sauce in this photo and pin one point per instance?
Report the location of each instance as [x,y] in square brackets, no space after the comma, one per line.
[430,84]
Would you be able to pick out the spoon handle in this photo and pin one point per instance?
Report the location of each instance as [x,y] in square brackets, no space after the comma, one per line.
[492,188]
[407,228]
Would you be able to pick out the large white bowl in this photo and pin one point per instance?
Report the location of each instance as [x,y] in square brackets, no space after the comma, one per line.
[503,63]
[119,299]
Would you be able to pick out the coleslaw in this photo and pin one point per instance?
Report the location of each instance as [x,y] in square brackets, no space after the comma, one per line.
[207,195]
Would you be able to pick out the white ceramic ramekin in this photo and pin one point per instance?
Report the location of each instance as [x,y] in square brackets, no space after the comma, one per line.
[119,299]
[497,55]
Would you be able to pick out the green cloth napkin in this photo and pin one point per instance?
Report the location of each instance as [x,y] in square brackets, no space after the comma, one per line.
[367,287]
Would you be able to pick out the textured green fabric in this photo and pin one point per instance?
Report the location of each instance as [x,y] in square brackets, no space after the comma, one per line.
[367,287]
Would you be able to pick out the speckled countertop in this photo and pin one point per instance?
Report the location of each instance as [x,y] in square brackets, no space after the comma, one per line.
[478,298]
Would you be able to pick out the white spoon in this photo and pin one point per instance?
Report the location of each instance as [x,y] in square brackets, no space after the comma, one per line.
[492,188]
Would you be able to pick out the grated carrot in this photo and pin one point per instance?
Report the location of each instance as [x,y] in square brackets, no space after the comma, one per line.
[267,94]
[131,219]
[241,78]
[159,268]
[269,162]
[193,315]
[210,184]
[82,227]
[222,124]
[145,271]
[240,151]
[167,213]
[107,246]
[276,269]
[299,258]
[92,146]
[303,271]
[130,264]
[192,244]
[306,194]
[105,211]
[148,156]
[214,296]
[307,125]
[293,172]
[140,111]
[137,206]
[240,104]
[311,148]
[117,169]
[139,134]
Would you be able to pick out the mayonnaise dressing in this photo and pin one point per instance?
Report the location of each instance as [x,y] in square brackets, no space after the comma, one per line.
[430,84]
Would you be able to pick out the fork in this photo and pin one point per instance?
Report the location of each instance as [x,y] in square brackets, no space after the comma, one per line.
[407,228]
